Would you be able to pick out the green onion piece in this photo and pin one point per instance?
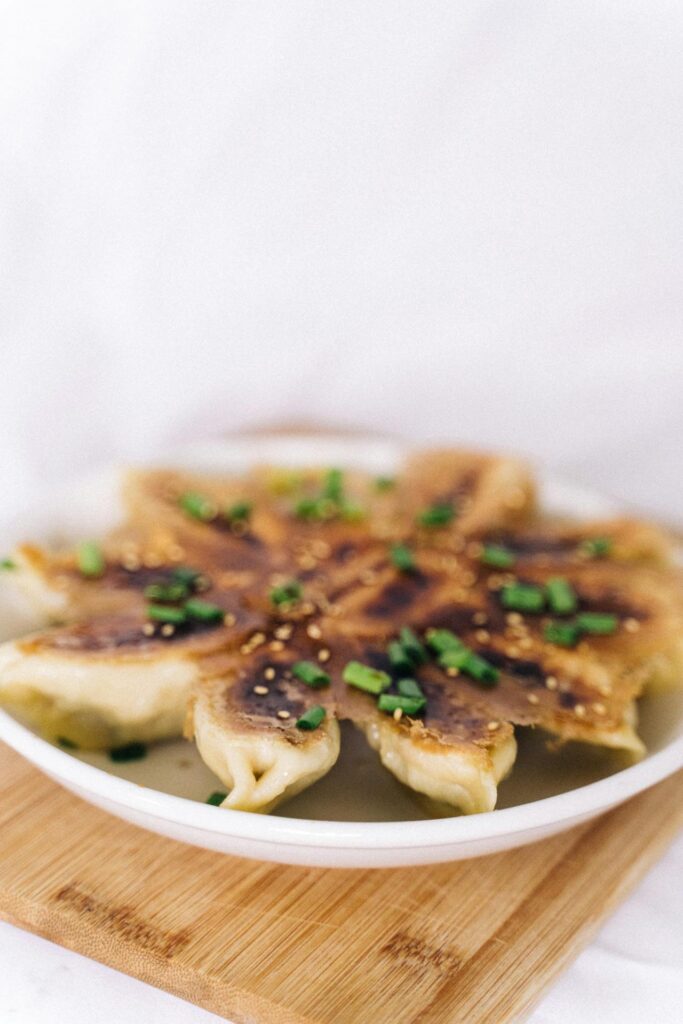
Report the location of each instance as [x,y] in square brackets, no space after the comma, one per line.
[561,596]
[497,557]
[402,558]
[166,592]
[522,597]
[598,623]
[285,594]
[596,547]
[390,702]
[385,483]
[197,506]
[564,634]
[455,657]
[129,752]
[480,669]
[65,742]
[398,657]
[311,718]
[7,563]
[409,688]
[442,640]
[333,485]
[312,509]
[216,799]
[90,559]
[203,611]
[310,674]
[166,613]
[363,677]
[352,512]
[239,512]
[437,515]
[183,574]
[412,646]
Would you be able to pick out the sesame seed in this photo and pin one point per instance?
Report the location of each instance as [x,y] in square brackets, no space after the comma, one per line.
[492,726]
[131,563]
[321,549]
[261,690]
[551,683]
[306,562]
[469,579]
[307,607]
[324,654]
[514,618]
[533,698]
[229,619]
[148,629]
[284,632]
[452,672]
[283,714]
[314,631]
[512,651]
[482,636]
[398,714]
[202,583]
[525,642]
[168,629]
[480,618]
[599,708]
[276,645]
[580,710]
[631,625]
[269,673]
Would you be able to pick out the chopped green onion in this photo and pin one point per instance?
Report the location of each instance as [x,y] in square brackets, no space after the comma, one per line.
[65,742]
[497,557]
[197,506]
[90,559]
[412,646]
[333,485]
[239,512]
[442,640]
[480,669]
[287,593]
[311,718]
[352,512]
[203,611]
[522,597]
[216,799]
[390,702]
[564,634]
[596,547]
[312,509]
[166,592]
[129,752]
[455,657]
[409,688]
[385,483]
[402,558]
[310,674]
[398,657]
[183,574]
[363,677]
[166,613]
[561,596]
[437,515]
[7,563]
[598,623]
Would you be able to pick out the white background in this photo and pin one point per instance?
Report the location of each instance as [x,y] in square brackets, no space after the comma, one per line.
[458,221]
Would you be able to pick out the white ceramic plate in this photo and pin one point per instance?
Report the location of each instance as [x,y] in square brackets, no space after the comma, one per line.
[358,815]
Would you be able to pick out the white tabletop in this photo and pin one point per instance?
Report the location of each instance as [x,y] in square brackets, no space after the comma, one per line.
[463,222]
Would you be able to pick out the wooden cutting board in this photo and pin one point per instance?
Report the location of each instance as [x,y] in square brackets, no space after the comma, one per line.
[475,942]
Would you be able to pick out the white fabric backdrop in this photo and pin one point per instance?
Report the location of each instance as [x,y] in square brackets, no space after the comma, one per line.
[460,221]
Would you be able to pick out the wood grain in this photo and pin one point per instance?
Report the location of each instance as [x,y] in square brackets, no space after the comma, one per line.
[476,941]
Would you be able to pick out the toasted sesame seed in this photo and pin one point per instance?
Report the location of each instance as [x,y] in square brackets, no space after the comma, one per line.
[580,710]
[148,629]
[324,654]
[314,631]
[202,583]
[283,714]
[480,618]
[469,579]
[452,672]
[482,636]
[492,726]
[276,645]
[599,708]
[605,688]
[307,608]
[512,651]
[321,549]
[284,632]
[533,698]
[551,682]
[269,673]
[168,629]
[525,642]
[131,563]
[306,561]
[514,618]
[261,690]
[398,714]
[631,625]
